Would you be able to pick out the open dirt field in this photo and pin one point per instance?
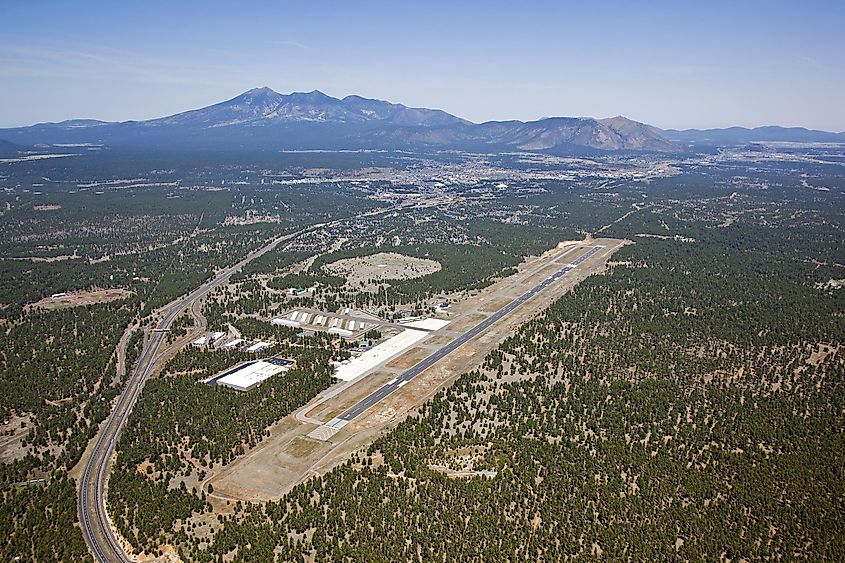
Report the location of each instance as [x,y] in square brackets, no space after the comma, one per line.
[438,340]
[382,267]
[495,305]
[408,358]
[289,456]
[12,435]
[79,298]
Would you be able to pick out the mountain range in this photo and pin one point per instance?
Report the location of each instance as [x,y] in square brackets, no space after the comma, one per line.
[741,135]
[262,119]
[267,120]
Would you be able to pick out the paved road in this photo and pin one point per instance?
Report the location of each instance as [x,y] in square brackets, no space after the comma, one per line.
[92,506]
[95,526]
[411,373]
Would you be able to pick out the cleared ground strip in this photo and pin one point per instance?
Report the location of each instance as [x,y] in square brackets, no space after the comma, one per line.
[406,376]
[331,428]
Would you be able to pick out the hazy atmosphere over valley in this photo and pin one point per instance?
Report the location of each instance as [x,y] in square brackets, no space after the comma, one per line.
[455,281]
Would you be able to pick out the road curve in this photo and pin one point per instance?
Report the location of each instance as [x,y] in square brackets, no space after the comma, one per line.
[93,516]
[96,529]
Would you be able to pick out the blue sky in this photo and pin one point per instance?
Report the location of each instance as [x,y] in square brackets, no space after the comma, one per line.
[671,64]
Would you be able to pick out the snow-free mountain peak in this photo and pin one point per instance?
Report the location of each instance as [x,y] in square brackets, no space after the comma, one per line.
[264,106]
[263,119]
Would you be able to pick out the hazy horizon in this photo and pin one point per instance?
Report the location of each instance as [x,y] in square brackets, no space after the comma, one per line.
[660,63]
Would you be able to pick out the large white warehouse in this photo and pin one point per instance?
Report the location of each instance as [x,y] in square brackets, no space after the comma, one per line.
[250,375]
[377,355]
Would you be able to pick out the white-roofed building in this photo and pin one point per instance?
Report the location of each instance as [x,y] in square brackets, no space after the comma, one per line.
[377,355]
[285,322]
[200,342]
[428,324]
[215,336]
[250,375]
[258,346]
[340,331]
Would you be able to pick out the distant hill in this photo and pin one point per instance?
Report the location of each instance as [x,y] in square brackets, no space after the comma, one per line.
[740,135]
[263,106]
[263,119]
[553,134]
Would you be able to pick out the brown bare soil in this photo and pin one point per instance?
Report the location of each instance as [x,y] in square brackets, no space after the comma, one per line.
[12,437]
[820,354]
[495,305]
[436,341]
[302,446]
[79,298]
[382,267]
[409,358]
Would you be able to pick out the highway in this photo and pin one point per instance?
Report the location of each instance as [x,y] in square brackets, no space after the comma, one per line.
[95,526]
[92,501]
[388,388]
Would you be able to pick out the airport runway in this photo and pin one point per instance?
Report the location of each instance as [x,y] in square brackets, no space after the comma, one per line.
[94,520]
[394,384]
